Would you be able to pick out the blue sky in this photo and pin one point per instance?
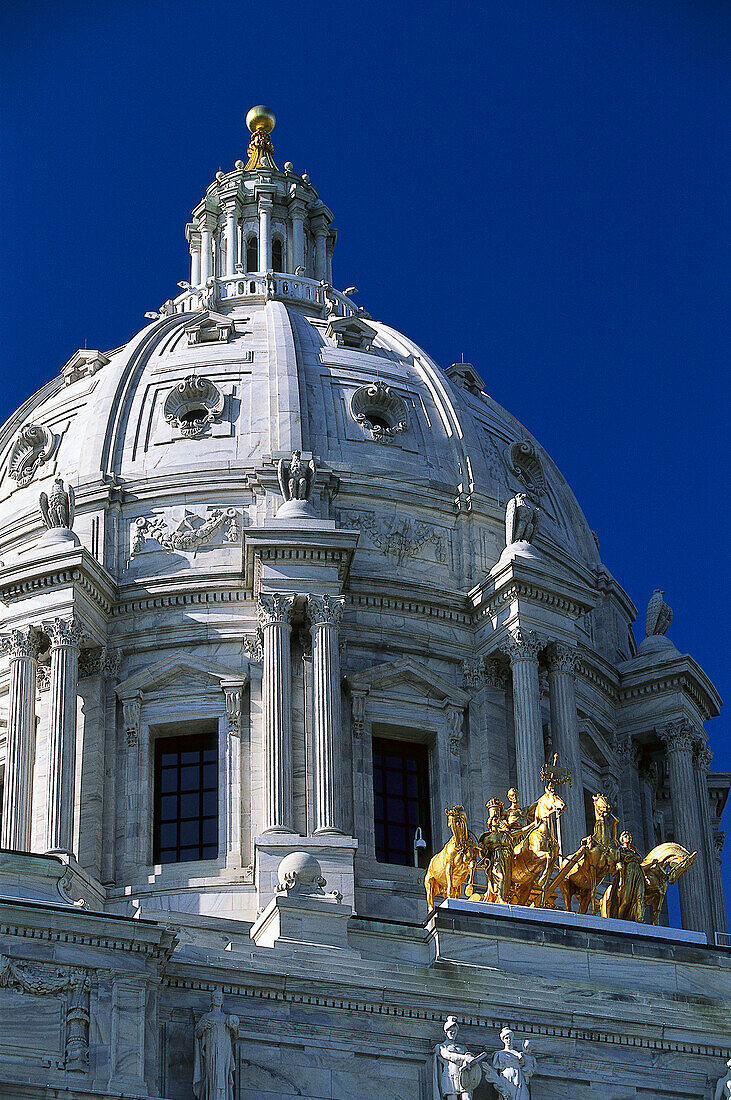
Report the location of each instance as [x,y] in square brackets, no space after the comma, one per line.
[539,185]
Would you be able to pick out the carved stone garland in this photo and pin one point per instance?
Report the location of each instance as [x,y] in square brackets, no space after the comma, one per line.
[379,409]
[33,446]
[193,404]
[70,980]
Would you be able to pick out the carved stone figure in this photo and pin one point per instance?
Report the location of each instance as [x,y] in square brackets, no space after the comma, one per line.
[214,1063]
[456,1072]
[723,1085]
[57,507]
[659,615]
[624,898]
[296,479]
[514,1068]
[521,519]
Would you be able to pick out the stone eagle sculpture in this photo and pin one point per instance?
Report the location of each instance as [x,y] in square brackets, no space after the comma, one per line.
[295,478]
[57,507]
[659,615]
[521,519]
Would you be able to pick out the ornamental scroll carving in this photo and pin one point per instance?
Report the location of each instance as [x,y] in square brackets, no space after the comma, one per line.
[379,409]
[192,405]
[524,463]
[399,538]
[33,447]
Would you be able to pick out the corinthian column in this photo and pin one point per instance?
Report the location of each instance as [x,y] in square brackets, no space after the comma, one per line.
[22,648]
[275,613]
[325,613]
[66,637]
[523,649]
[702,758]
[679,744]
[563,662]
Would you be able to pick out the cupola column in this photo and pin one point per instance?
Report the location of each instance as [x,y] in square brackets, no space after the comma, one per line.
[66,638]
[702,758]
[319,228]
[523,649]
[22,649]
[207,225]
[563,663]
[232,258]
[297,214]
[325,613]
[265,232]
[275,615]
[194,244]
[679,741]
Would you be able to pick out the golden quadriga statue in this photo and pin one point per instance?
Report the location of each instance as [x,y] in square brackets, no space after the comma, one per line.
[518,853]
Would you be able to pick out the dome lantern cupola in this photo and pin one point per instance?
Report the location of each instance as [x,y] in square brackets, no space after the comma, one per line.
[256,223]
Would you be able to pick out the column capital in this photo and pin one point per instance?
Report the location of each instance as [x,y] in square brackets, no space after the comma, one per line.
[64,632]
[455,724]
[678,736]
[358,700]
[627,751]
[131,708]
[523,645]
[274,608]
[563,657]
[325,610]
[22,642]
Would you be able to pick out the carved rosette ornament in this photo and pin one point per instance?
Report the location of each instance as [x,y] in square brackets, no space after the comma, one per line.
[524,645]
[33,447]
[274,608]
[192,405]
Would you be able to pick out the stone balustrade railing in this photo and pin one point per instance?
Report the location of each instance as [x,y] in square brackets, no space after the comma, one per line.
[230,288]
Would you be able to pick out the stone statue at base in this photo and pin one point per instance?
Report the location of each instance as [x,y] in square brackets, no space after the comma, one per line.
[456,1072]
[723,1086]
[521,519]
[514,1068]
[214,1063]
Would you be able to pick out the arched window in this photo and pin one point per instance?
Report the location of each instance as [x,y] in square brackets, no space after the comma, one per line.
[252,253]
[277,254]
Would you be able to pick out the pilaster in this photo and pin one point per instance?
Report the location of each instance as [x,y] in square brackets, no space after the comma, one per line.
[275,618]
[523,648]
[563,663]
[65,636]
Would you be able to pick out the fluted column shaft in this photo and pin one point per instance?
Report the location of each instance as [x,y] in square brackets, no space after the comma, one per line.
[205,256]
[679,742]
[563,664]
[325,613]
[297,212]
[231,239]
[702,759]
[320,231]
[265,233]
[275,613]
[195,260]
[66,637]
[523,650]
[22,648]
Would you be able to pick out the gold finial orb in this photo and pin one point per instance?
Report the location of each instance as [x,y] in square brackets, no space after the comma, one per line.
[261,118]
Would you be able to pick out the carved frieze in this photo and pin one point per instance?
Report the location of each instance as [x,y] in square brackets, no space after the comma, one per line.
[399,537]
[33,447]
[191,533]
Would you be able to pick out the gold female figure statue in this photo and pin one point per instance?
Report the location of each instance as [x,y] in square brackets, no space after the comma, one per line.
[625,895]
[496,849]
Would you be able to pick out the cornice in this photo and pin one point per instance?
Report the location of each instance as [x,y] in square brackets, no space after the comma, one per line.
[76,567]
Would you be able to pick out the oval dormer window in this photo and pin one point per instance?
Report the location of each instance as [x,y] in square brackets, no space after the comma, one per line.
[379,410]
[192,405]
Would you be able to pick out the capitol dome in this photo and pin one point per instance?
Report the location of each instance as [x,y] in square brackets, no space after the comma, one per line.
[299,549]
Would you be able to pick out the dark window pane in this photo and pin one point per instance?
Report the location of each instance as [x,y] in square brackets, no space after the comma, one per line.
[401,767]
[186,798]
[394,782]
[190,805]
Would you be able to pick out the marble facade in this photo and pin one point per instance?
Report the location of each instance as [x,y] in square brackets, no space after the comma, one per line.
[284,529]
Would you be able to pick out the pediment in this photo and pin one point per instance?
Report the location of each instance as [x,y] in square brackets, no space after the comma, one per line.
[408,678]
[196,673]
[209,327]
[350,332]
[82,364]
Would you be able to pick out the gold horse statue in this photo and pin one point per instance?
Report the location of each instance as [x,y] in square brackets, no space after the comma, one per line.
[449,869]
[584,871]
[662,867]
